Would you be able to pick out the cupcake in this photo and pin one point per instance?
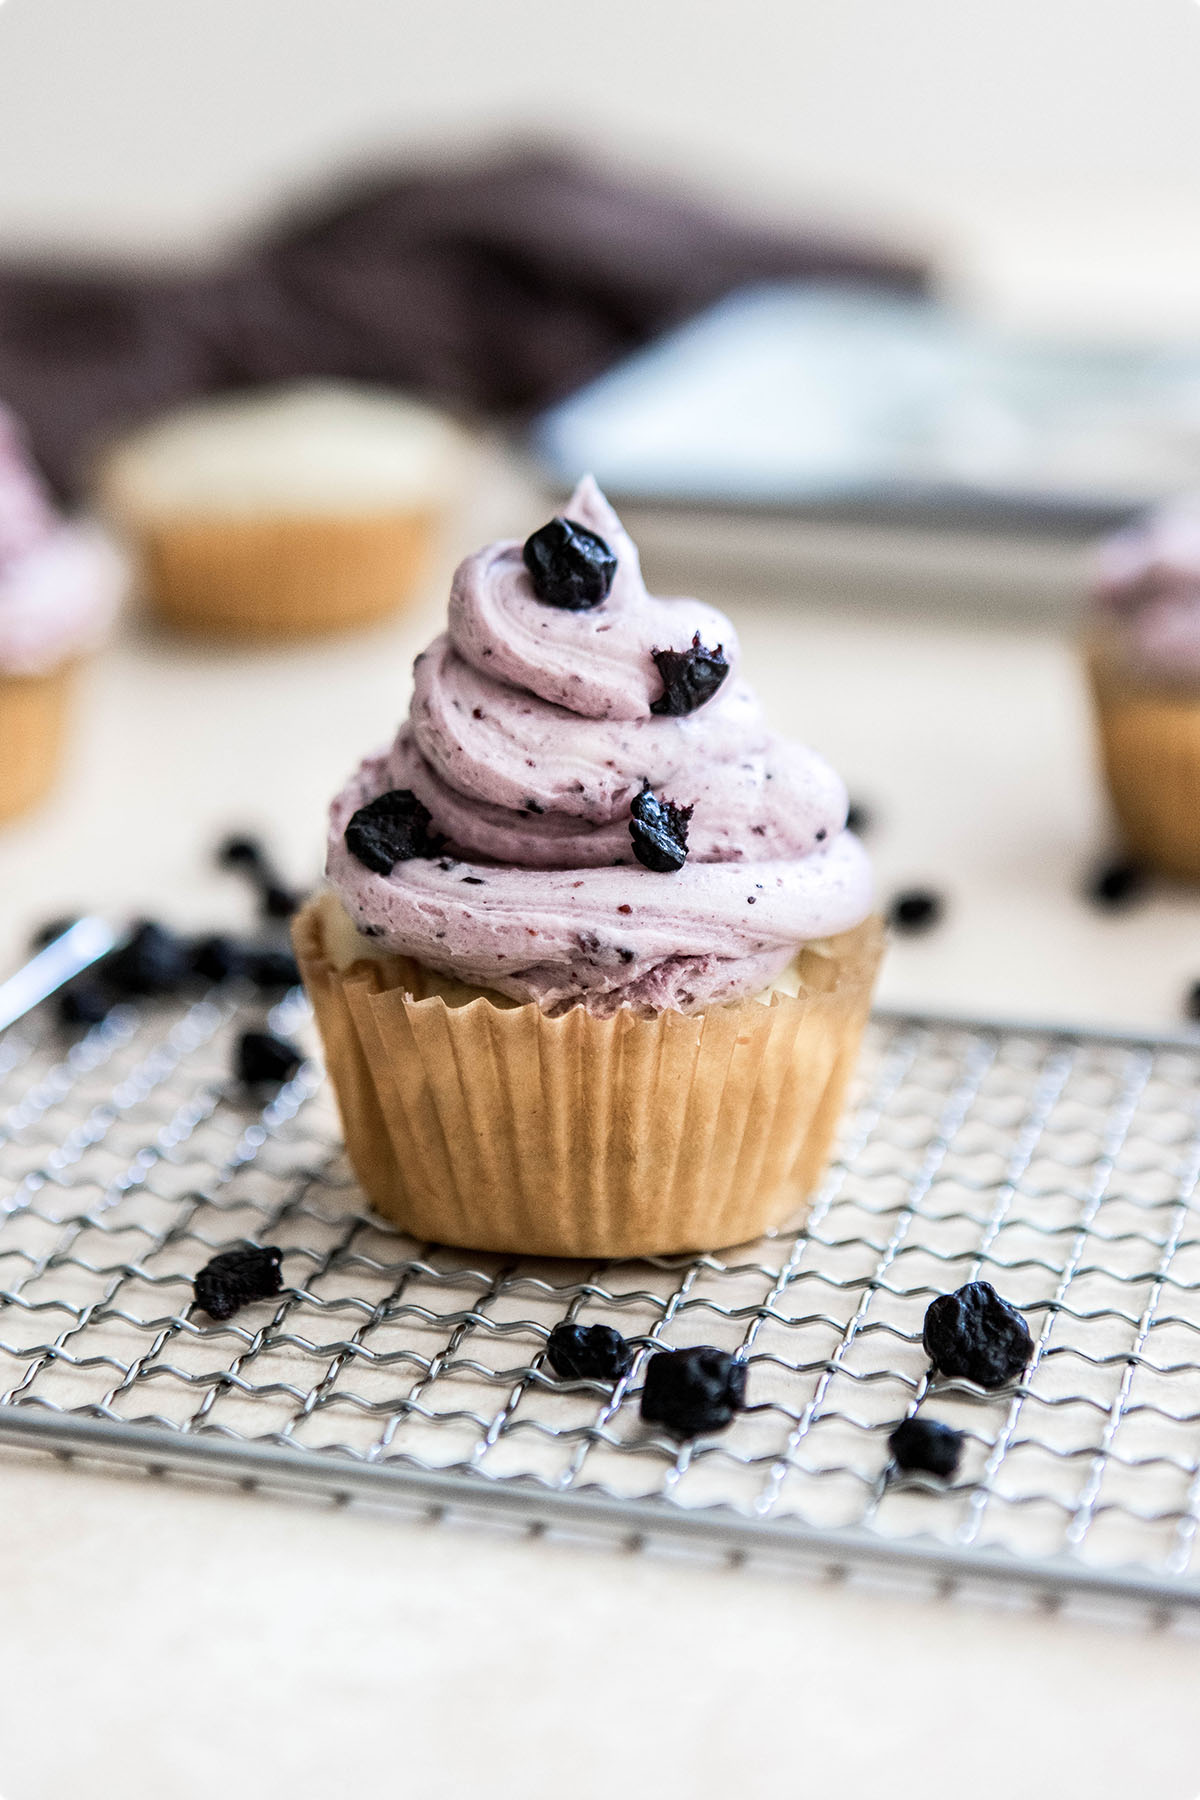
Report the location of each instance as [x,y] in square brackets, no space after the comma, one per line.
[1144,662]
[60,585]
[285,513]
[596,950]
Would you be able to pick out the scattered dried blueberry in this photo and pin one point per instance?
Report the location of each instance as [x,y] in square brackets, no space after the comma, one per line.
[272,968]
[694,1390]
[83,1002]
[236,1277]
[926,1444]
[261,1057]
[569,565]
[918,909]
[241,852]
[153,961]
[659,830]
[248,855]
[218,958]
[46,934]
[588,1353]
[689,677]
[1117,884]
[1191,1004]
[976,1335]
[858,817]
[388,830]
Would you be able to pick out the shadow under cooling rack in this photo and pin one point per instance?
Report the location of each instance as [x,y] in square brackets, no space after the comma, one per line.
[1062,1167]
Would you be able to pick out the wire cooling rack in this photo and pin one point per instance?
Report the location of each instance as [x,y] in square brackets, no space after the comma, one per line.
[1061,1167]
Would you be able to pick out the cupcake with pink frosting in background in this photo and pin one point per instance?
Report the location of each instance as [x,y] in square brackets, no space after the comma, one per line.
[1144,662]
[60,585]
[596,950]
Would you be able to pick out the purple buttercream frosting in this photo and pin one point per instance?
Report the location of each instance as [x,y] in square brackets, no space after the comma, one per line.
[1147,590]
[60,583]
[530,732]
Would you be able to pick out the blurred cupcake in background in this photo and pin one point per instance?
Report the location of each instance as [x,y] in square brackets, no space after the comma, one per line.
[285,513]
[60,585]
[1144,662]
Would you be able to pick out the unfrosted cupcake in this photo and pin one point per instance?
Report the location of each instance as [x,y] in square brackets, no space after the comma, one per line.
[60,585]
[1144,661]
[597,949]
[283,513]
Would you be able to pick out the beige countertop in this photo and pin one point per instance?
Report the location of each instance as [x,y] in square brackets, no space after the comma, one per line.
[157,1637]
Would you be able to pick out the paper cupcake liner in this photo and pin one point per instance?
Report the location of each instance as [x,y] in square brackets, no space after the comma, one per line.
[277,578]
[494,1127]
[33,720]
[1149,738]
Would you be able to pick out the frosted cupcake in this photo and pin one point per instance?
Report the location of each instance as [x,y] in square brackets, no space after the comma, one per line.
[1144,661]
[60,585]
[597,949]
[285,513]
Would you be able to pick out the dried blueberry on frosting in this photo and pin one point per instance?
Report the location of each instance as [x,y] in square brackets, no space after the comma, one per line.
[536,736]
[659,830]
[690,677]
[388,830]
[569,565]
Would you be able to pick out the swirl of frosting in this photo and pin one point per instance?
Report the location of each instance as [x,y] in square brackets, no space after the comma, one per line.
[531,730]
[60,583]
[1147,589]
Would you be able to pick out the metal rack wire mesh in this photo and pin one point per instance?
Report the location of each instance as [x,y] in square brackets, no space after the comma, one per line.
[1063,1168]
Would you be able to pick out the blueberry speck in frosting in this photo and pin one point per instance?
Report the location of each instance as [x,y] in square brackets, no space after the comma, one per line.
[659,831]
[926,1445]
[235,1278]
[569,566]
[693,1390]
[689,677]
[588,1353]
[388,830]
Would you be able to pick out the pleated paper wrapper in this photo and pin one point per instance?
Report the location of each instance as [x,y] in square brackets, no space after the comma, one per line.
[282,578]
[34,710]
[494,1127]
[1149,738]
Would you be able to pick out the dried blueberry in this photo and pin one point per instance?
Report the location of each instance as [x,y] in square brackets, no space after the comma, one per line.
[152,961]
[278,902]
[241,852]
[569,565]
[659,830]
[261,1057]
[236,1277]
[695,1390]
[84,1002]
[217,958]
[272,968]
[976,1335]
[46,934]
[858,817]
[1116,884]
[689,677]
[918,909]
[388,830]
[588,1353]
[926,1444]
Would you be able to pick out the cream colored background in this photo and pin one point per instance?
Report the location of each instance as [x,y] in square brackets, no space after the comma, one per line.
[1049,148]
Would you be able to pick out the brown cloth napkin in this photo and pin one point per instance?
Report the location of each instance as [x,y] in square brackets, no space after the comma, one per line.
[494,289]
